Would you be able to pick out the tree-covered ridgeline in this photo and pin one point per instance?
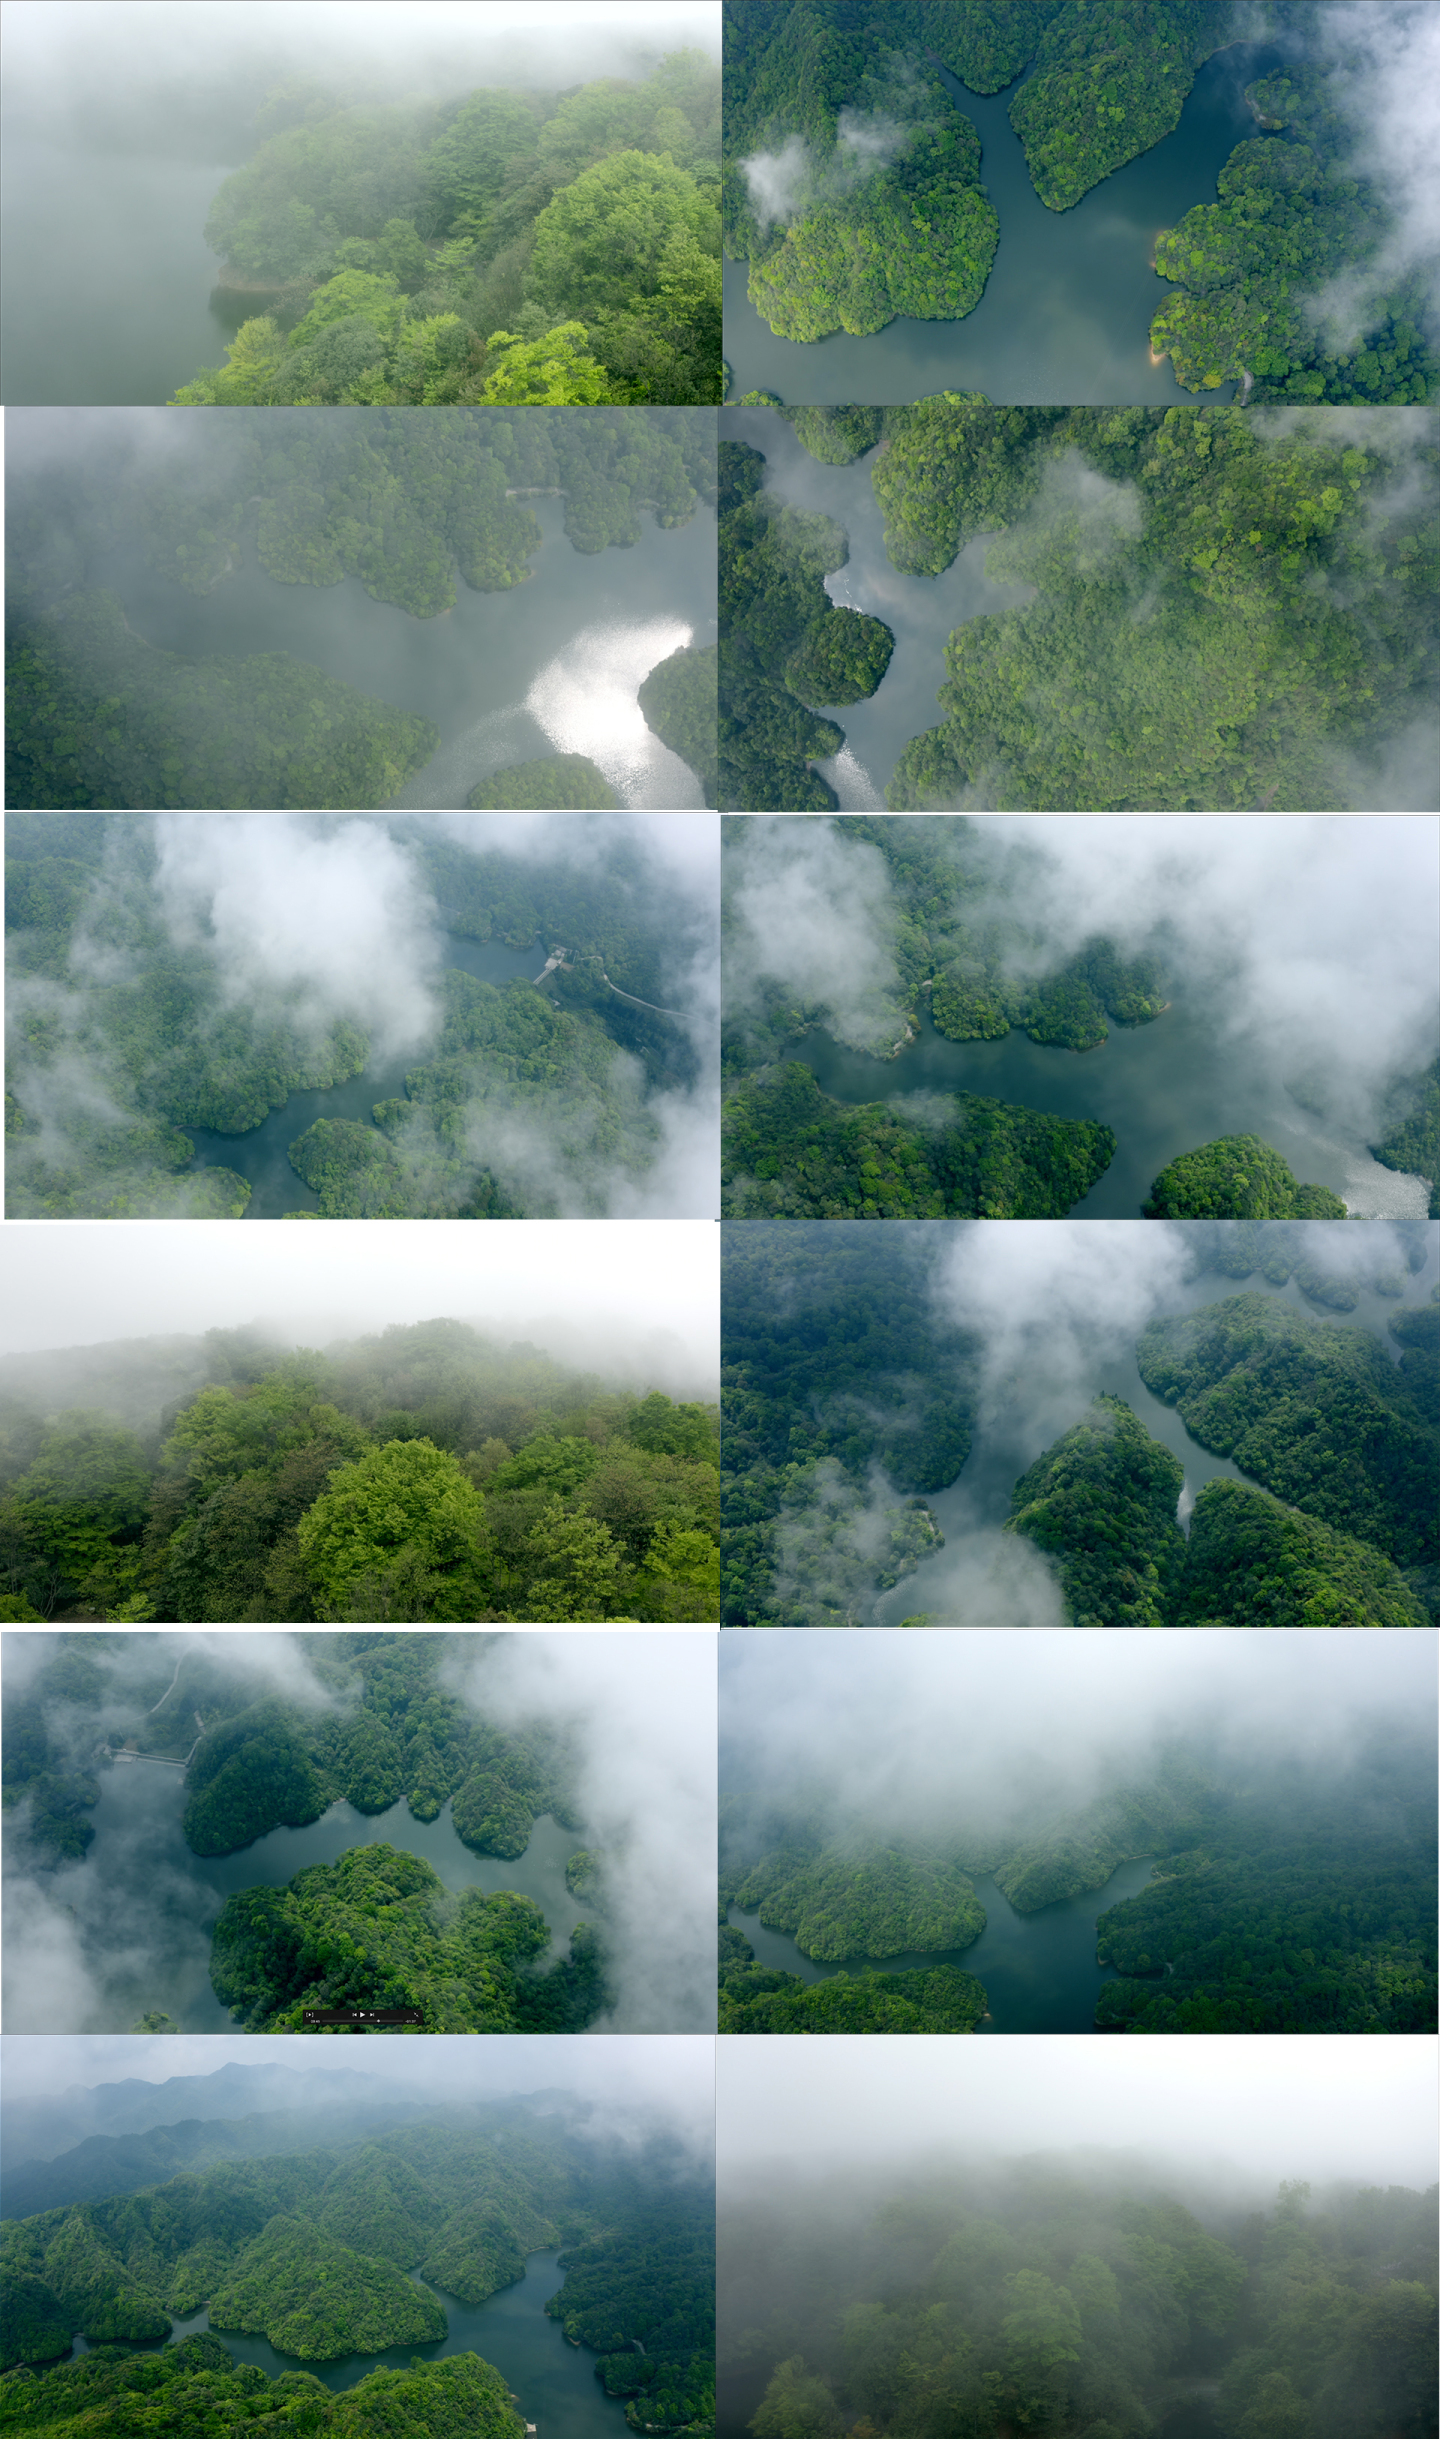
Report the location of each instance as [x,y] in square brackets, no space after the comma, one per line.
[848,1398]
[784,644]
[1302,1903]
[1238,1177]
[406,505]
[312,2250]
[425,1475]
[678,700]
[1066,2295]
[789,1151]
[197,2385]
[114,1055]
[550,782]
[1289,282]
[763,1999]
[1229,610]
[516,246]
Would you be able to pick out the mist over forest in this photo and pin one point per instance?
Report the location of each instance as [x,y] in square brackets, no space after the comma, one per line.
[1237,2239]
[136,1764]
[919,1816]
[421,2243]
[382,204]
[923,1425]
[1267,988]
[476,1014]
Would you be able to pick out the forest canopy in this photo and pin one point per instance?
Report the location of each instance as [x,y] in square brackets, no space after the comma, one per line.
[1230,612]
[523,247]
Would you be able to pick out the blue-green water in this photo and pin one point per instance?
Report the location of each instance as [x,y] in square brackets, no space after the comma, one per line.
[262,1156]
[1039,1970]
[1065,318]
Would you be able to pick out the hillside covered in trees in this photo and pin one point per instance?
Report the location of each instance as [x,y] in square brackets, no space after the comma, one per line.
[848,1396]
[1231,612]
[522,247]
[127,1029]
[312,2250]
[1302,1905]
[409,506]
[1075,2293]
[423,1475]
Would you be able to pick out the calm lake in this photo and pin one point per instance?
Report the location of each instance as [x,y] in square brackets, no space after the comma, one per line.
[1065,318]
[147,1905]
[263,1155]
[552,666]
[1039,1969]
[978,1501]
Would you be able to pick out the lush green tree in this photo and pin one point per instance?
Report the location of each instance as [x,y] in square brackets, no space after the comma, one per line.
[679,702]
[550,781]
[557,370]
[1102,1502]
[408,1501]
[1238,1177]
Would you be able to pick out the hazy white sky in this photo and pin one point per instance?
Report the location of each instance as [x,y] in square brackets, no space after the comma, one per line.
[587,1283]
[1265,2105]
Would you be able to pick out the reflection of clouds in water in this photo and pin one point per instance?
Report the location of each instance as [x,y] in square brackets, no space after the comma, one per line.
[852,783]
[585,701]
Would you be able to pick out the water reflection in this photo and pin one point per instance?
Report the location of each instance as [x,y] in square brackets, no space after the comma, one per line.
[1066,313]
[1039,1970]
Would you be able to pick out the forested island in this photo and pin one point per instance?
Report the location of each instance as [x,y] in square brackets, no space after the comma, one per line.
[1237,1178]
[1225,618]
[408,506]
[523,247]
[849,1399]
[1304,1905]
[323,2251]
[529,1098]
[1095,2291]
[853,180]
[426,1474]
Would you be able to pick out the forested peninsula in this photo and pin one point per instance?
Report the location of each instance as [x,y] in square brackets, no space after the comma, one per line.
[312,2250]
[1231,612]
[408,506]
[853,180]
[126,1031]
[848,1399]
[515,246]
[1075,2294]
[1299,1906]
[423,1475]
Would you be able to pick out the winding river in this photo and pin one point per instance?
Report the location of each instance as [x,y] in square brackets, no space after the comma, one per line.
[1038,1969]
[1065,318]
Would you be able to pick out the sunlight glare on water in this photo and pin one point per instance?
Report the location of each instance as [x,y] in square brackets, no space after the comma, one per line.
[585,701]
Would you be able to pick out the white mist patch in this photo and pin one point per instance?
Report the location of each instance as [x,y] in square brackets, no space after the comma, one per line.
[777,181]
[812,912]
[585,700]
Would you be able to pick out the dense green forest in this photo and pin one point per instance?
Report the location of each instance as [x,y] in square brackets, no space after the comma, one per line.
[1237,1178]
[1412,1144]
[549,782]
[312,2250]
[1304,1903]
[1293,217]
[112,1058]
[1227,609]
[514,246]
[762,1999]
[847,1397]
[1074,2295]
[424,1474]
[405,504]
[678,700]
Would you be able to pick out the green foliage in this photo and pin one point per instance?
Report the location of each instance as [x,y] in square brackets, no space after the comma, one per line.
[877,1903]
[317,2299]
[410,1507]
[1111,78]
[1251,1562]
[1214,627]
[249,1775]
[760,1999]
[678,701]
[1102,1503]
[916,238]
[427,253]
[1413,1143]
[1239,1177]
[36,2326]
[1314,1411]
[783,643]
[551,781]
[1293,218]
[790,1151]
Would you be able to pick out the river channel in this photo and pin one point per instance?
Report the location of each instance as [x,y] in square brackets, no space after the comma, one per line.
[1065,318]
[978,1501]
[551,666]
[1039,1969]
[145,1906]
[262,1156]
